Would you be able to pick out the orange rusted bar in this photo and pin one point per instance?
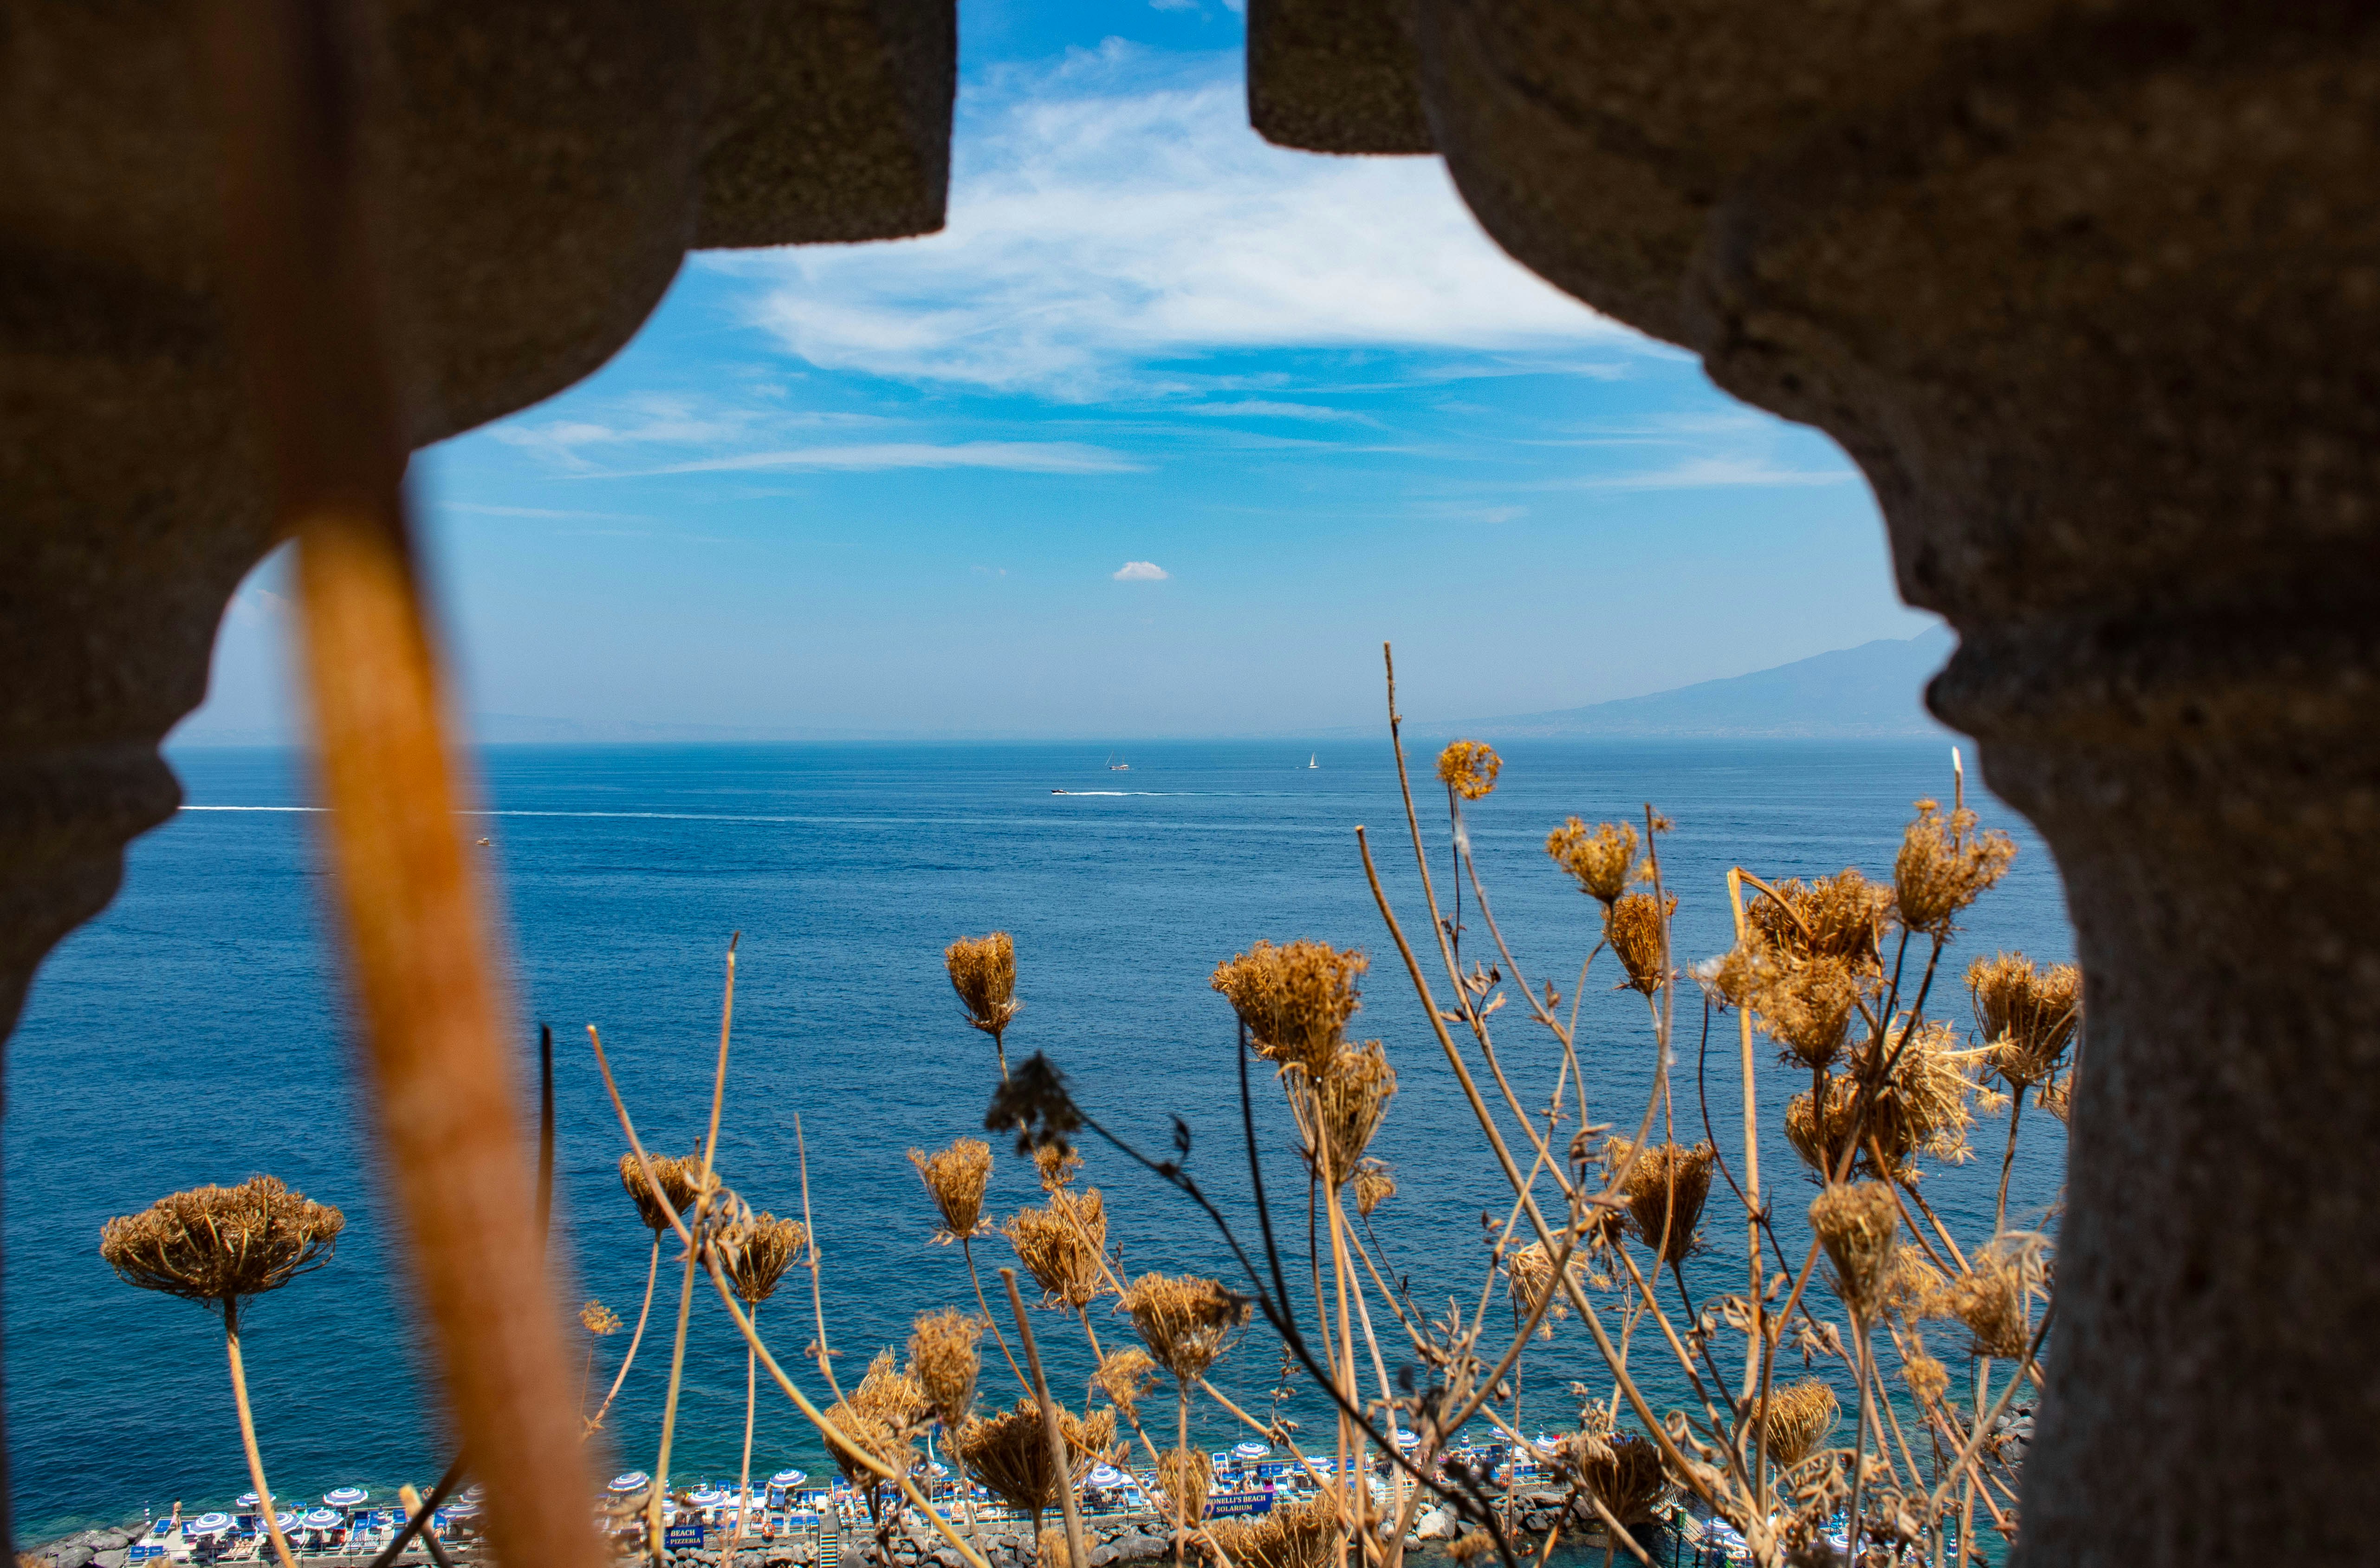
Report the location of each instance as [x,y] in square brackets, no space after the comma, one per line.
[300,277]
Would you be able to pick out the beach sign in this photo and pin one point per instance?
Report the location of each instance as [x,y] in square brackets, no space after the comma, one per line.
[683,1537]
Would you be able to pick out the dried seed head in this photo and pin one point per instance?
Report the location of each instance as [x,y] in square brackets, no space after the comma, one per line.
[1295,1000]
[1529,1274]
[1469,768]
[1184,1476]
[2057,1096]
[1635,926]
[1993,1297]
[1945,865]
[1842,917]
[1927,1378]
[1123,1376]
[1057,1165]
[943,1357]
[1808,1007]
[1604,861]
[1859,1226]
[882,1415]
[676,1177]
[1665,1191]
[1062,1247]
[1469,1547]
[1051,1550]
[758,1252]
[1373,1186]
[1185,1321]
[2028,1016]
[956,1176]
[599,1319]
[217,1245]
[1300,1535]
[1340,1112]
[983,971]
[1925,1107]
[1912,1284]
[1799,1419]
[1625,1476]
[1009,1451]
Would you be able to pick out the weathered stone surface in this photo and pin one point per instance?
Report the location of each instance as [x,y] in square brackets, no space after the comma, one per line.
[2088,291]
[1336,76]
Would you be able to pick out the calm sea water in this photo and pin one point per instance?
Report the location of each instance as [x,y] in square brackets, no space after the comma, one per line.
[195,1032]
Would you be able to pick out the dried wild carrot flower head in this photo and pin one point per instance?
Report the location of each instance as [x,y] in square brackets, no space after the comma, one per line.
[1469,1547]
[1927,1378]
[217,1244]
[1184,1476]
[1294,1000]
[1840,916]
[983,971]
[956,1178]
[1859,1226]
[599,1319]
[1373,1186]
[1186,1322]
[943,1357]
[1297,1534]
[1469,768]
[1799,1419]
[1635,926]
[757,1254]
[1910,1289]
[2028,1016]
[1340,1111]
[1009,1451]
[1665,1192]
[676,1177]
[1529,1272]
[1925,1107]
[1945,865]
[1625,1476]
[1123,1376]
[1993,1297]
[1604,861]
[1808,1008]
[1057,1165]
[1062,1246]
[1050,1550]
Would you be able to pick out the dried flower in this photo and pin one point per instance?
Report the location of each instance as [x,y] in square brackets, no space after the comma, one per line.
[1927,1378]
[1051,1550]
[1529,1274]
[1637,926]
[1926,1106]
[1665,1192]
[1911,1287]
[956,1178]
[1340,1112]
[1469,1547]
[1300,1535]
[1185,1476]
[676,1178]
[1185,1321]
[1992,1299]
[1604,861]
[1033,1103]
[943,1357]
[1808,1008]
[1841,916]
[2057,1096]
[2028,1016]
[1859,1226]
[1945,865]
[1062,1246]
[217,1245]
[1294,1000]
[983,971]
[1123,1376]
[1008,1452]
[1057,1165]
[1469,768]
[758,1253]
[1373,1186]
[1626,1476]
[598,1318]
[1798,1418]
[881,1416]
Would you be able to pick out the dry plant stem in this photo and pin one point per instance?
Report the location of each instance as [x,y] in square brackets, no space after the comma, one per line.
[1619,1532]
[306,315]
[1678,1462]
[419,1523]
[1753,1341]
[2007,1162]
[810,1247]
[416,1517]
[247,1434]
[1059,1461]
[1983,1428]
[967,1250]
[652,1273]
[751,1397]
[817,1417]
[1859,1441]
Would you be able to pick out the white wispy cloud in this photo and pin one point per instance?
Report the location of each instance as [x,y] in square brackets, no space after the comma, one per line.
[1259,409]
[1709,472]
[1019,457]
[1111,211]
[1141,571]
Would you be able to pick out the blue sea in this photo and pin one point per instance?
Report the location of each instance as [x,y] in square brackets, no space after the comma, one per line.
[196,1031]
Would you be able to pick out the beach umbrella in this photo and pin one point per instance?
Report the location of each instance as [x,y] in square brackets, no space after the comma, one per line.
[210,1524]
[634,1481]
[1252,1450]
[345,1497]
[218,1246]
[287,1520]
[248,1499]
[320,1519]
[789,1477]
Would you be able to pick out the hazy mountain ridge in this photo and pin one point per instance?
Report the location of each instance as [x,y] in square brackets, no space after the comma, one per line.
[1876,688]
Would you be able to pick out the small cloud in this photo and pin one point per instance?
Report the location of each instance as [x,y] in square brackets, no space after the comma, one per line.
[1259,409]
[989,571]
[1141,571]
[1173,4]
[1016,456]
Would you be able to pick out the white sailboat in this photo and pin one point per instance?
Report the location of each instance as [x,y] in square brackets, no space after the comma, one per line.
[1310,761]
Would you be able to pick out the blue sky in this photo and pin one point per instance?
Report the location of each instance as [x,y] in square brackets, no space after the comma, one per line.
[1163,436]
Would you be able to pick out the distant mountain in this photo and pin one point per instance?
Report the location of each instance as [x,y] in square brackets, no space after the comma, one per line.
[1874,690]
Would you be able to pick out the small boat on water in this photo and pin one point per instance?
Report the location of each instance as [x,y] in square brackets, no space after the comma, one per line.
[1313,760]
[1117,764]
